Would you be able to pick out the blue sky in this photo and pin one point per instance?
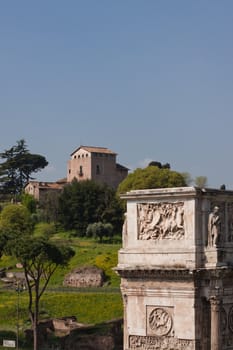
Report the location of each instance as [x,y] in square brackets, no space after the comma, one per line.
[149,79]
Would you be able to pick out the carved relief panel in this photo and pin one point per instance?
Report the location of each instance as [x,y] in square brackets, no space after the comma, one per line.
[160,333]
[160,221]
[137,342]
[159,320]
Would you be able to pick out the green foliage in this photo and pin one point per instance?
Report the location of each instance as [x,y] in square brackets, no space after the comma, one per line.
[159,165]
[39,258]
[87,250]
[151,177]
[49,207]
[188,178]
[86,202]
[15,219]
[107,262]
[100,230]
[17,166]
[44,229]
[102,304]
[29,202]
[201,181]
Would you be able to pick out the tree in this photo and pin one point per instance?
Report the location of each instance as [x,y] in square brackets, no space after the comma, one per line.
[151,177]
[159,165]
[49,206]
[29,202]
[40,259]
[15,219]
[85,202]
[17,166]
[100,230]
[38,256]
[188,178]
[201,181]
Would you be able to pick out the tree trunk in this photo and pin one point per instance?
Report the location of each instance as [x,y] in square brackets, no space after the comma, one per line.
[35,341]
[36,318]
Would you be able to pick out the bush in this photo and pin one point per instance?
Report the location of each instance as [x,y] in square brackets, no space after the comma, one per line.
[45,229]
[99,230]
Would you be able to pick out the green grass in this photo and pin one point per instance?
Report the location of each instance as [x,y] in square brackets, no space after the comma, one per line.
[89,253]
[8,309]
[90,305]
[90,308]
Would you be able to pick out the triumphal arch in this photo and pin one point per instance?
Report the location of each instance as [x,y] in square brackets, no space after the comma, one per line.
[176,268]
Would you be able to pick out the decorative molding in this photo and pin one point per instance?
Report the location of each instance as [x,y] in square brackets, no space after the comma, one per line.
[158,292]
[159,221]
[153,273]
[179,273]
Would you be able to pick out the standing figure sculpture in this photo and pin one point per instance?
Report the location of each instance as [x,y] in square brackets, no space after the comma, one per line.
[214,227]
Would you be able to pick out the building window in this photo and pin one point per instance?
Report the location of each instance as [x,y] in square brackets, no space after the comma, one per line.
[97,169]
[80,170]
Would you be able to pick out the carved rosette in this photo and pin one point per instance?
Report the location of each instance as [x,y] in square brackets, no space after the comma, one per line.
[159,321]
[160,221]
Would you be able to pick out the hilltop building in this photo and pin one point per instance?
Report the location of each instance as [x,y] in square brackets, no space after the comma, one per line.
[39,189]
[97,164]
[86,163]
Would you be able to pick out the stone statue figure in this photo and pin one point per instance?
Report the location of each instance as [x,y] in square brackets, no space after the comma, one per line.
[214,227]
[124,227]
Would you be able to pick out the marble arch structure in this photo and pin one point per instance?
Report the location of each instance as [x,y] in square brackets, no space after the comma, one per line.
[176,268]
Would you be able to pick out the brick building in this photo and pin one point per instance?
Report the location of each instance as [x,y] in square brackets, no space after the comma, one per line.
[86,163]
[97,164]
[39,189]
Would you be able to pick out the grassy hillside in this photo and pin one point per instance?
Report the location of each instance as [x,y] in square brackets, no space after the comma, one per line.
[89,252]
[89,306]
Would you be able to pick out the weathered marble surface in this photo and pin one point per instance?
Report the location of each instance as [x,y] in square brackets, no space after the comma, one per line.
[176,268]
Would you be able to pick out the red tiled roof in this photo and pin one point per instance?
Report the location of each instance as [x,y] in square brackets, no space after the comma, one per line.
[45,185]
[93,149]
[50,185]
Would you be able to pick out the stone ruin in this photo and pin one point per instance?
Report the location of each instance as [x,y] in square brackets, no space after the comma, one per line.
[176,268]
[88,276]
[67,334]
